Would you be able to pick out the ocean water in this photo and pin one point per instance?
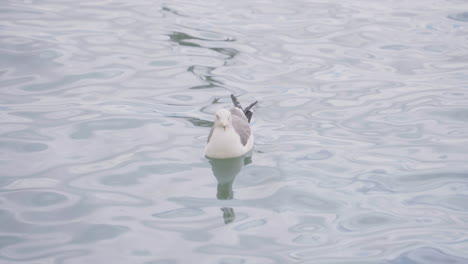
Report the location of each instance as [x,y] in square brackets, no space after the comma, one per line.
[361,152]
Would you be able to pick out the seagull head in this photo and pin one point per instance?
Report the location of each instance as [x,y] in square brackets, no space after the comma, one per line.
[223,118]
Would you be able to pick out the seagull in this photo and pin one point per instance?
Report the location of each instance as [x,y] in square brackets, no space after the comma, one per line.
[230,136]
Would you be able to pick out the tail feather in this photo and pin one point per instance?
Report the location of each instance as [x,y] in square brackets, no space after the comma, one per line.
[250,106]
[247,112]
[249,115]
[236,102]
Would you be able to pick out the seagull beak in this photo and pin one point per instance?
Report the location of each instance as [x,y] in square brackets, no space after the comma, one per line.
[224,126]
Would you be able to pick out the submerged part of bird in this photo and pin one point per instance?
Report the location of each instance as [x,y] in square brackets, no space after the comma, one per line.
[231,135]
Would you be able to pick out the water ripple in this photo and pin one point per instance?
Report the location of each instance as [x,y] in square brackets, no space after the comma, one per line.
[360,132]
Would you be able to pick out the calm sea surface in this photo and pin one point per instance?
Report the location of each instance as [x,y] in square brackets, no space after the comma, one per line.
[361,130]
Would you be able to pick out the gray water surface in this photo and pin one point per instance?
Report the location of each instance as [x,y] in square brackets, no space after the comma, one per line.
[361,151]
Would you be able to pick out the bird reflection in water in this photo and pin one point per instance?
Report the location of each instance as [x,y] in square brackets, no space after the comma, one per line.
[225,171]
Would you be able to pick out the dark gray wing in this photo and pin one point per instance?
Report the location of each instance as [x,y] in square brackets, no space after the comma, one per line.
[211,133]
[247,112]
[235,111]
[236,102]
[242,128]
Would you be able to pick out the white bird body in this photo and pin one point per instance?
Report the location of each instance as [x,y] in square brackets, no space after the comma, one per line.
[230,136]
[230,147]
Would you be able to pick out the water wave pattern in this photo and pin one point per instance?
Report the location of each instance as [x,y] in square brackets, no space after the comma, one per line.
[361,131]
